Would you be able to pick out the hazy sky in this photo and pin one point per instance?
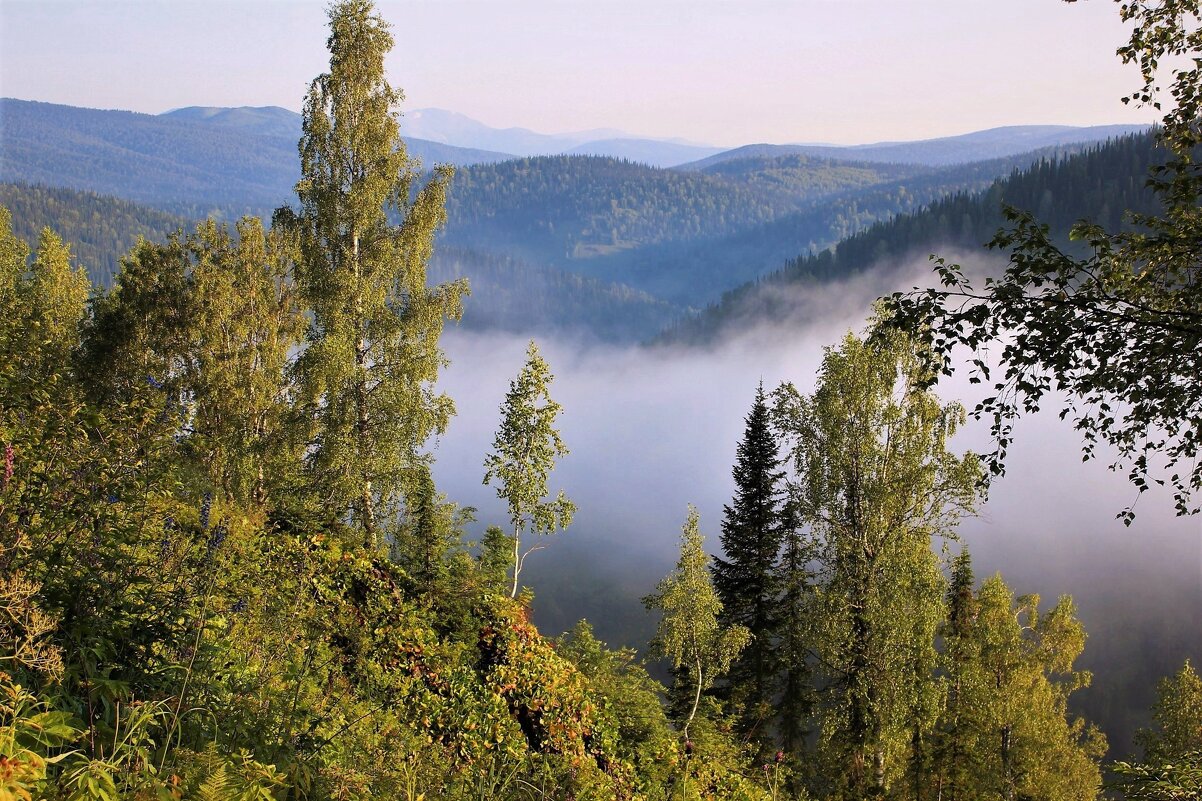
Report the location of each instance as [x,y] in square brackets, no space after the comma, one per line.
[719,71]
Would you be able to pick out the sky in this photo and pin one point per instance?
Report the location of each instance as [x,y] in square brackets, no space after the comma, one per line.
[722,72]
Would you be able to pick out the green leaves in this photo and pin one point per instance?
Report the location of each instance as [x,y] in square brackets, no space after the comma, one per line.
[689,633]
[1177,717]
[372,357]
[1179,780]
[1006,731]
[525,449]
[1118,331]
[873,482]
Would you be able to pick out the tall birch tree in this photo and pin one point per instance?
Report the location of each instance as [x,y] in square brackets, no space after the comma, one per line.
[874,482]
[366,233]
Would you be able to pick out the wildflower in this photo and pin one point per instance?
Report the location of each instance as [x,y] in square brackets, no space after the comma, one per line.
[206,506]
[154,382]
[780,757]
[165,541]
[239,606]
[219,533]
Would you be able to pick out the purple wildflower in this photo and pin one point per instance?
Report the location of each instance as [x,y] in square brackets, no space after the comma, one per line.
[219,533]
[206,505]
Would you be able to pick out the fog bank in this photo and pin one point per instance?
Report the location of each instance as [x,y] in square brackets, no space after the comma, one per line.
[652,430]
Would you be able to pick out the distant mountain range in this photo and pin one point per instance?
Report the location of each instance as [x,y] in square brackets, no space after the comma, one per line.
[194,161]
[434,136]
[977,146]
[450,128]
[604,244]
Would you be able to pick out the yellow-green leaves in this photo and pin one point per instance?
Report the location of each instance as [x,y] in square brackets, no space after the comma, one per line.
[1014,673]
[372,357]
[1178,719]
[873,482]
[689,633]
[525,449]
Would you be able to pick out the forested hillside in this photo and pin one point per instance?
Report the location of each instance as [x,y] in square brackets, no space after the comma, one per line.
[509,295]
[145,158]
[685,237]
[194,164]
[695,272]
[100,229]
[561,209]
[1101,184]
[682,236]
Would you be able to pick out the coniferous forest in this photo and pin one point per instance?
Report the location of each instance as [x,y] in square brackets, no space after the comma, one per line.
[227,570]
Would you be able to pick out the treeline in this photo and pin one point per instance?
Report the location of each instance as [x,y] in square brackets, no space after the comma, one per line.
[1102,184]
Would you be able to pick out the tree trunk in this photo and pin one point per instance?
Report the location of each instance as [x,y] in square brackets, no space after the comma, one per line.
[1007,768]
[367,511]
[696,702]
[517,559]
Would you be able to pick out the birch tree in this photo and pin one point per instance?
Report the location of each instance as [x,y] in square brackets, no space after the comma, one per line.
[524,452]
[366,233]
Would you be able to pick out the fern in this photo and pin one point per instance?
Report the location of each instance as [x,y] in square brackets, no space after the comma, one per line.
[217,786]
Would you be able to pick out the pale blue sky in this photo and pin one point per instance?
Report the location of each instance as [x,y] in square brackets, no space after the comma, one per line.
[720,71]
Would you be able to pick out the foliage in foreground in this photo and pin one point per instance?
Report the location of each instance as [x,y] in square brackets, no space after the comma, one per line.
[1118,333]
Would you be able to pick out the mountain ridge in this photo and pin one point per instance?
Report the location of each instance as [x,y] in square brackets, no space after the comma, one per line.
[999,142]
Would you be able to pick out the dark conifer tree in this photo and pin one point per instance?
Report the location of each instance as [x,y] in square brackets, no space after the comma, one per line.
[745,577]
[794,679]
[952,747]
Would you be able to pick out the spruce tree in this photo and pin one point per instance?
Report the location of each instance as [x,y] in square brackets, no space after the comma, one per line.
[746,580]
[372,356]
[795,675]
[953,750]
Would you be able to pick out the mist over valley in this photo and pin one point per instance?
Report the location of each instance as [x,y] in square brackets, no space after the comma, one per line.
[377,451]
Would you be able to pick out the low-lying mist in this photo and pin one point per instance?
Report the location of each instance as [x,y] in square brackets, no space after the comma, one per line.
[654,429]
